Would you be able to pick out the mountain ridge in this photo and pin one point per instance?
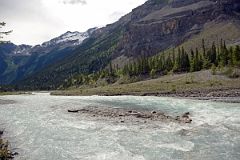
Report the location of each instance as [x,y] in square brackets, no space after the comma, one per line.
[151,28]
[19,61]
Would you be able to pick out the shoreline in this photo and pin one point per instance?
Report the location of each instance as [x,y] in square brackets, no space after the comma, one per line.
[217,95]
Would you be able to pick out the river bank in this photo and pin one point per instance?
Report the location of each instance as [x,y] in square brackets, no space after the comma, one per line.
[197,85]
[5,151]
[219,95]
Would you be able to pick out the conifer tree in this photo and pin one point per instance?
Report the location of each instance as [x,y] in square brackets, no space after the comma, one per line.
[182,59]
[126,70]
[236,55]
[163,63]
[110,69]
[206,61]
[153,73]
[213,54]
[197,66]
[192,62]
[223,54]
[173,55]
[200,61]
[177,65]
[203,48]
[231,57]
[160,63]
[187,62]
[169,63]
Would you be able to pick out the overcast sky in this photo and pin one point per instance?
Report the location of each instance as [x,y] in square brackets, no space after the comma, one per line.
[36,21]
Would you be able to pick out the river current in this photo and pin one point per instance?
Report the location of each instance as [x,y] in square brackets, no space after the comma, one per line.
[39,127]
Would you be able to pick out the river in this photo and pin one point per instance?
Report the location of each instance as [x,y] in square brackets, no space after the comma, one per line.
[39,127]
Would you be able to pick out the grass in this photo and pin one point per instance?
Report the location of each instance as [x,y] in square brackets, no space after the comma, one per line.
[8,93]
[198,81]
[13,93]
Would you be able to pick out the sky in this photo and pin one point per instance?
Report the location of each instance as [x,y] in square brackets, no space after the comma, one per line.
[36,21]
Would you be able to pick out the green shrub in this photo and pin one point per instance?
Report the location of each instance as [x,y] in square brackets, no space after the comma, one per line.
[153,73]
[173,88]
[5,153]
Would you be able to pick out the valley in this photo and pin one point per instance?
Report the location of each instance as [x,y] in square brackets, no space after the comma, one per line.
[159,81]
[151,29]
[21,61]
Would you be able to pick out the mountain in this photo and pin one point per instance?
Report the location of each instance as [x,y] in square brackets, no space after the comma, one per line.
[155,26]
[20,61]
[67,39]
[11,49]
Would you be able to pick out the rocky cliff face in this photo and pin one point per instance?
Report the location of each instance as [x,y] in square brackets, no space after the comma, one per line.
[159,25]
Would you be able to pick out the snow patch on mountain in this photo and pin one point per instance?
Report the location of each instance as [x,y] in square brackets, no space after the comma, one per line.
[22,50]
[75,38]
[68,39]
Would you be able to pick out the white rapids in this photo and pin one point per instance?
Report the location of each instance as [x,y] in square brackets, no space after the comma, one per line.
[39,127]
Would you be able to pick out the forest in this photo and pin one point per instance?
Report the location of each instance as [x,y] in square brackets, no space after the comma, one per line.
[178,60]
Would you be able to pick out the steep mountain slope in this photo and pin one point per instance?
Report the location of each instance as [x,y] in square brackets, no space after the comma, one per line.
[155,26]
[175,23]
[21,61]
[95,54]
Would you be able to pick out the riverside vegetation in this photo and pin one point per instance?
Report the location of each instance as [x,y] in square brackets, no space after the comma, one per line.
[179,70]
[5,152]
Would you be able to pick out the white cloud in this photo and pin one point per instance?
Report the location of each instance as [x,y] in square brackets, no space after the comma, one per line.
[83,2]
[115,15]
[36,21]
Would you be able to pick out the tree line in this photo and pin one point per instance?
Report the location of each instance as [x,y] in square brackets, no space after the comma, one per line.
[177,61]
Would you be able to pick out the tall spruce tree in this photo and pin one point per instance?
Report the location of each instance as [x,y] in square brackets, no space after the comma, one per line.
[197,61]
[177,62]
[223,54]
[206,61]
[236,55]
[203,48]
[213,55]
[231,56]
[192,61]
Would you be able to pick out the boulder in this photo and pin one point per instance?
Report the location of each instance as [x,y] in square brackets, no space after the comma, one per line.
[73,111]
[188,120]
[186,115]
[153,112]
